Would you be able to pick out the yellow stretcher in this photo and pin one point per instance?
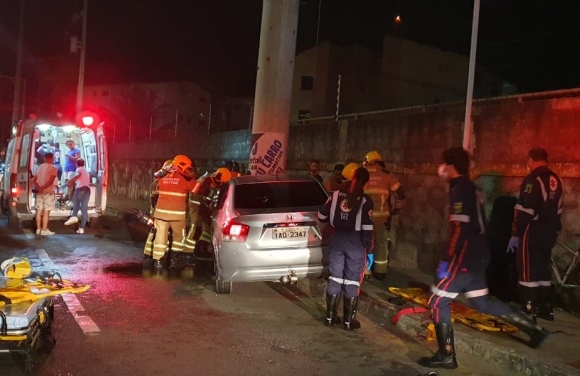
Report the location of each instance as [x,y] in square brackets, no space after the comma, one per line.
[27,313]
[459,312]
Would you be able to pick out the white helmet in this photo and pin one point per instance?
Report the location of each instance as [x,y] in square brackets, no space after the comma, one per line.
[16,267]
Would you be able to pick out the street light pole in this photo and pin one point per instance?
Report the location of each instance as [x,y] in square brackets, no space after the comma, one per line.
[16,104]
[468,123]
[271,116]
[83,46]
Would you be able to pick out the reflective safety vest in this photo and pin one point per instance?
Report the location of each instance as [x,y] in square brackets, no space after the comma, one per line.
[379,188]
[172,202]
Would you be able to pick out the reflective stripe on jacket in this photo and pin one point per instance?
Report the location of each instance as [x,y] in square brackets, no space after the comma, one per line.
[379,188]
[172,202]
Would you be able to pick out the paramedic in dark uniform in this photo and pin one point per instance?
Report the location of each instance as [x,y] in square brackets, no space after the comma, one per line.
[350,212]
[535,229]
[463,266]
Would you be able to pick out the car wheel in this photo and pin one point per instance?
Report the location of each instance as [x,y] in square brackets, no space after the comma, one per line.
[223,287]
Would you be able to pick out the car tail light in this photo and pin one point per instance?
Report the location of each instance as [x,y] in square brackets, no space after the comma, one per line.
[236,232]
[13,187]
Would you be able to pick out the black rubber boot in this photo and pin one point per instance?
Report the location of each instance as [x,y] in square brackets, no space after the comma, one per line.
[445,355]
[176,260]
[147,260]
[545,308]
[349,311]
[332,310]
[529,296]
[536,333]
[354,323]
[188,258]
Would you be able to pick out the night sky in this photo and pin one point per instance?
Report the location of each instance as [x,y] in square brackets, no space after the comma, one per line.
[530,43]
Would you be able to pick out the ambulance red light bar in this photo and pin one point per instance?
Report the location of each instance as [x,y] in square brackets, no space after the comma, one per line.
[87,119]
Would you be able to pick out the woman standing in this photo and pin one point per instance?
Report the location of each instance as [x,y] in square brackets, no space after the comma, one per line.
[81,196]
[350,212]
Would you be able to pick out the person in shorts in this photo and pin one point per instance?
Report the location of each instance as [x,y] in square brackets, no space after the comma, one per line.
[44,181]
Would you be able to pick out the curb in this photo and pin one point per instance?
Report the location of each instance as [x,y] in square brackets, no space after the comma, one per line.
[415,324]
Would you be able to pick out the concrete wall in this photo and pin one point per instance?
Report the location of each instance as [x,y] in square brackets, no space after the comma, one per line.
[411,142]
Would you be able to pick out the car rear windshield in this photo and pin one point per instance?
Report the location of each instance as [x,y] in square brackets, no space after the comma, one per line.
[270,195]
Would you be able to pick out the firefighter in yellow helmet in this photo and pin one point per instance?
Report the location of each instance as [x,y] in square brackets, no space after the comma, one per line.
[199,212]
[164,170]
[170,211]
[381,186]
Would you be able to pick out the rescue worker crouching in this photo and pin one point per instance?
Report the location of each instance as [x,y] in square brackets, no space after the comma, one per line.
[199,213]
[350,212]
[380,187]
[170,210]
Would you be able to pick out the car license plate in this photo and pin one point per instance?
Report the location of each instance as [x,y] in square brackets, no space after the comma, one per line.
[290,233]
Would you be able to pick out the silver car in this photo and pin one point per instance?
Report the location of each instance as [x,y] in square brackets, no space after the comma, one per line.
[266,228]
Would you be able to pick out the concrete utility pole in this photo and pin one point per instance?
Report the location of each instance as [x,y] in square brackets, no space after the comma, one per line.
[16,104]
[271,120]
[83,47]
[468,123]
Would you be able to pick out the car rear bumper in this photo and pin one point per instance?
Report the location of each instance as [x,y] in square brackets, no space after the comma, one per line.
[238,264]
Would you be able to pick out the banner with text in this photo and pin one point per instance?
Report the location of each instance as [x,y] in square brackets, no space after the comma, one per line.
[268,153]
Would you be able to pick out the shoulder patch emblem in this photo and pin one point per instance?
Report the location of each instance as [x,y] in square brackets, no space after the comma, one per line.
[553,183]
[528,188]
[370,213]
[343,207]
[457,207]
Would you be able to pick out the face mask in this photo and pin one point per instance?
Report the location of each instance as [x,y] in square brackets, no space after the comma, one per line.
[442,172]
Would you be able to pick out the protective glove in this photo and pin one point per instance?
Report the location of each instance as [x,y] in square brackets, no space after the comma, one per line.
[370,261]
[513,244]
[443,269]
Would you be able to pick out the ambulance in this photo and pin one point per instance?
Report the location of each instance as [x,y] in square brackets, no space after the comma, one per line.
[30,140]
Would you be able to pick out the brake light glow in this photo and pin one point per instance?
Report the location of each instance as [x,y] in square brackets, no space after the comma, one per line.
[236,232]
[14,191]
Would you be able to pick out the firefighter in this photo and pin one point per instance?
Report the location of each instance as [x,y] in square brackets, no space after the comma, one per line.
[535,229]
[148,249]
[380,187]
[170,211]
[350,212]
[199,213]
[464,264]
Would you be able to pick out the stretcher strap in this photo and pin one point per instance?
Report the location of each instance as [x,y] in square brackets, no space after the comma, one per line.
[407,311]
[4,327]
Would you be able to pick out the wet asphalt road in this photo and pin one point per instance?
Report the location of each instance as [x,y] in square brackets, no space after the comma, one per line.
[177,325]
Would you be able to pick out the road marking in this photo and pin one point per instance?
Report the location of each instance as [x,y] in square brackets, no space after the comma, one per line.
[43,256]
[87,325]
[29,234]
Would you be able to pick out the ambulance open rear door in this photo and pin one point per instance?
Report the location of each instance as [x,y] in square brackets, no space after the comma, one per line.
[102,170]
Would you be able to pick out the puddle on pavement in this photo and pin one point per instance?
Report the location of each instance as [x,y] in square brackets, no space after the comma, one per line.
[125,269]
[135,270]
